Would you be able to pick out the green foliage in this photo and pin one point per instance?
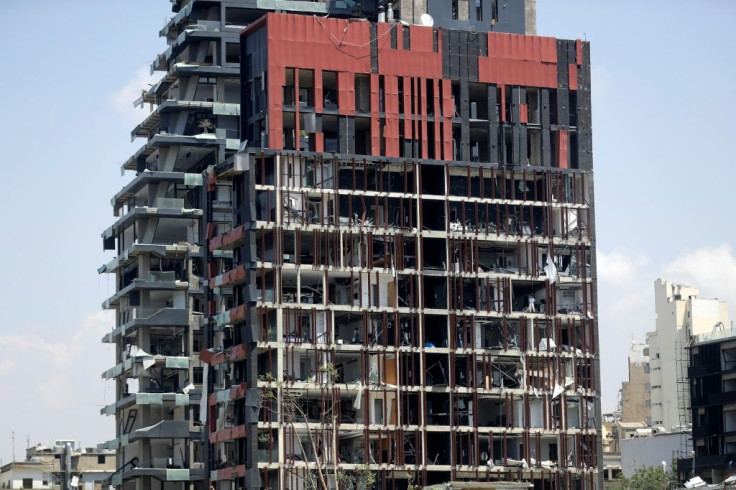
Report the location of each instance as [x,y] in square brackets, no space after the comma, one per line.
[361,478]
[411,484]
[644,479]
[330,371]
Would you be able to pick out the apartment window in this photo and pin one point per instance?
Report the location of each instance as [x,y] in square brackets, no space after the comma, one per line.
[27,482]
[406,34]
[232,53]
[478,9]
[454,9]
[100,459]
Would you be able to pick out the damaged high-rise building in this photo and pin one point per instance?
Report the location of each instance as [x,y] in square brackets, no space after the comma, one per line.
[377,238]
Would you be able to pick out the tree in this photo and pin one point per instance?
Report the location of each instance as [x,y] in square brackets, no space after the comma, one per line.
[647,478]
[320,437]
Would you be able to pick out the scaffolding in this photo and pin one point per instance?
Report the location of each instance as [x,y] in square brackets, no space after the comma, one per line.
[684,410]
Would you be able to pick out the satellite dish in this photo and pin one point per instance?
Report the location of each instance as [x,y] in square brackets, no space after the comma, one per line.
[426,20]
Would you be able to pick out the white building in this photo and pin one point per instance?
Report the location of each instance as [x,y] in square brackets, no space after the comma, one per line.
[680,315]
[43,469]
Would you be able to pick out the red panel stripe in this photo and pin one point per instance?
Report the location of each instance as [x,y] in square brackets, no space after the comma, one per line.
[408,133]
[449,111]
[573,76]
[562,148]
[375,119]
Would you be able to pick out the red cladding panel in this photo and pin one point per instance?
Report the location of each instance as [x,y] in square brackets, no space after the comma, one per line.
[437,139]
[317,42]
[416,111]
[562,151]
[318,91]
[520,47]
[319,142]
[573,76]
[517,72]
[375,119]
[519,60]
[503,102]
[579,52]
[523,113]
[422,85]
[346,92]
[420,61]
[449,111]
[391,101]
[408,133]
[297,105]
[343,46]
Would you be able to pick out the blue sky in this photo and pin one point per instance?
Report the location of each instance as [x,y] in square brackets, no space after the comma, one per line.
[664,115]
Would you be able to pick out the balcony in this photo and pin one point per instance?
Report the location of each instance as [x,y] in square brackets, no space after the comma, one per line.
[162,474]
[702,370]
[166,429]
[155,316]
[153,399]
[129,254]
[156,281]
[702,462]
[203,31]
[169,208]
[145,128]
[139,364]
[722,398]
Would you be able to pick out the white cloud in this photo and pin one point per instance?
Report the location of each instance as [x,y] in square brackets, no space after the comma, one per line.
[51,378]
[123,98]
[8,364]
[56,390]
[60,353]
[600,79]
[710,269]
[619,267]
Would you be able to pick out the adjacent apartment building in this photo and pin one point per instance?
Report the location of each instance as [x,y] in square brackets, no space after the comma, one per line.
[63,466]
[681,315]
[358,251]
[712,373]
[636,402]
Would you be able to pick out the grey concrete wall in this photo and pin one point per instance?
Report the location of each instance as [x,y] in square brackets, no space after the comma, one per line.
[639,452]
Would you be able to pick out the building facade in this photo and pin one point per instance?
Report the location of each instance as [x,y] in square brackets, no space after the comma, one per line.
[404,290]
[636,402]
[681,314]
[400,254]
[712,373]
[60,467]
[158,236]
